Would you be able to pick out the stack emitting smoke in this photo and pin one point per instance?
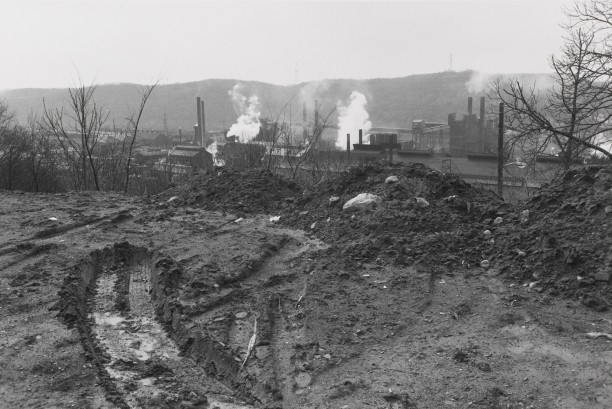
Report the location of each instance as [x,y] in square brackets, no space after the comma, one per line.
[247,125]
[352,118]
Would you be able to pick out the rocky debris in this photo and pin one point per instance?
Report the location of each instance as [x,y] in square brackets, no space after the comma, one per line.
[560,233]
[397,230]
[391,179]
[237,191]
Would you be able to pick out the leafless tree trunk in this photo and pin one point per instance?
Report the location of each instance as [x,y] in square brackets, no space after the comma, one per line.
[133,122]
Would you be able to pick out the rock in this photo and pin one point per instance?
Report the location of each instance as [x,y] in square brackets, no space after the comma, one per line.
[422,202]
[487,234]
[333,200]
[602,276]
[608,209]
[241,315]
[362,200]
[498,220]
[327,356]
[391,179]
[524,216]
[485,264]
[521,254]
[302,380]
[312,226]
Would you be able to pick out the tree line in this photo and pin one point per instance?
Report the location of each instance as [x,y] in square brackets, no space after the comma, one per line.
[73,147]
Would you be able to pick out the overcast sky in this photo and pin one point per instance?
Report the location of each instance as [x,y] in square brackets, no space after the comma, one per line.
[46,42]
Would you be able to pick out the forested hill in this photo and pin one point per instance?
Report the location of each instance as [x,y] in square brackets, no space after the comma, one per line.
[391,101]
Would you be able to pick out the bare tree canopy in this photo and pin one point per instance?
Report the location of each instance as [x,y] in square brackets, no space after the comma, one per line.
[574,115]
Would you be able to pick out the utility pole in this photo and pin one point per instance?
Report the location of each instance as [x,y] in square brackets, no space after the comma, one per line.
[500,152]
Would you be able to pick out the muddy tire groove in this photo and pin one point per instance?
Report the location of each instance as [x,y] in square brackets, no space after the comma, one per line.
[107,299]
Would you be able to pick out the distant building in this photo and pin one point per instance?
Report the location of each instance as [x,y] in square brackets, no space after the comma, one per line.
[196,157]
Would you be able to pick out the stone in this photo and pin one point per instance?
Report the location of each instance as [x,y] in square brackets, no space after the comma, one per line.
[608,209]
[241,315]
[524,216]
[602,276]
[302,380]
[498,220]
[422,202]
[391,179]
[362,200]
[485,264]
[333,200]
[487,234]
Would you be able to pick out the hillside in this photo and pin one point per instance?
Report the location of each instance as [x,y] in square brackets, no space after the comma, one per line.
[391,101]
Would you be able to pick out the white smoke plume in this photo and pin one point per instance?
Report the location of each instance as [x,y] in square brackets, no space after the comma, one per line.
[480,82]
[313,90]
[214,149]
[247,125]
[352,118]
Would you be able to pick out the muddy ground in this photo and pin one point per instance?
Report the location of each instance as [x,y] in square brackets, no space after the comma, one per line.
[196,299]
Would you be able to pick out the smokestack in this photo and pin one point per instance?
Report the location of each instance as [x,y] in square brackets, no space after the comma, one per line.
[180,135]
[198,135]
[469,105]
[304,129]
[360,136]
[203,123]
[196,130]
[348,146]
[482,124]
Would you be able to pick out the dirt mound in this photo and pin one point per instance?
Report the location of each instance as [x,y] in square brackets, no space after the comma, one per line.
[237,191]
[564,247]
[424,216]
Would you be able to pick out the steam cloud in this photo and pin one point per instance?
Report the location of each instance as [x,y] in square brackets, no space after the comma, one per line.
[480,82]
[352,118]
[214,149]
[247,125]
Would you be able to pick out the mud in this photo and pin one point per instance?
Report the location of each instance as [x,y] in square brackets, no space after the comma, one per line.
[162,303]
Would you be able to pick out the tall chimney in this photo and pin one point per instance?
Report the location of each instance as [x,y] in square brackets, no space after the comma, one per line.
[348,146]
[469,105]
[304,129]
[482,124]
[203,128]
[198,135]
[180,135]
[196,132]
[360,136]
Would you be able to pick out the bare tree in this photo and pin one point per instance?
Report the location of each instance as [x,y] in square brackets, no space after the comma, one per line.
[77,132]
[575,114]
[133,123]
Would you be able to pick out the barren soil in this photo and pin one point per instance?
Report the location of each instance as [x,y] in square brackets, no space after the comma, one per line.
[162,302]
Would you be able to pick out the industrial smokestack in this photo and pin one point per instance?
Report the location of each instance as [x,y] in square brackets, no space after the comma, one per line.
[469,105]
[360,136]
[196,132]
[482,124]
[348,145]
[304,129]
[198,136]
[203,129]
[180,135]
